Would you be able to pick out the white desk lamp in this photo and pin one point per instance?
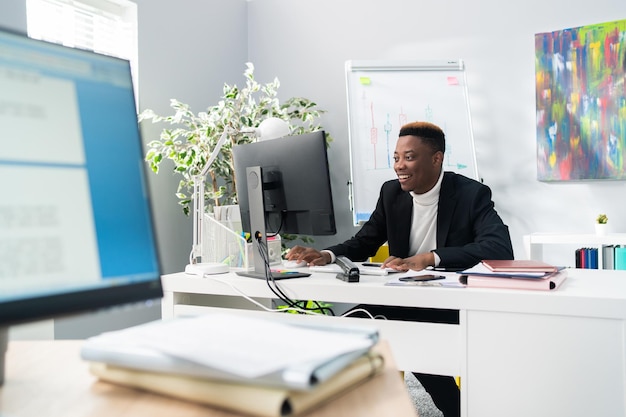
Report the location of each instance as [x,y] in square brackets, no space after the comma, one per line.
[270,128]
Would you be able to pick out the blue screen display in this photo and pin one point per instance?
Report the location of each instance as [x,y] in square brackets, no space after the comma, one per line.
[74,207]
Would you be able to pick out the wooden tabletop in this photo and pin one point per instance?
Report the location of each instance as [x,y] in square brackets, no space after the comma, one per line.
[48,378]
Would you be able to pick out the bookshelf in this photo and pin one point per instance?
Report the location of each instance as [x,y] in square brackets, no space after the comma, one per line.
[534,242]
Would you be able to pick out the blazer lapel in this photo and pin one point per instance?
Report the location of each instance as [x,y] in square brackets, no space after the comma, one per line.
[447,203]
[404,210]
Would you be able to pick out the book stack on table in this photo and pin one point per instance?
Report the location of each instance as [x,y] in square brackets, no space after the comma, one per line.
[260,367]
[514,274]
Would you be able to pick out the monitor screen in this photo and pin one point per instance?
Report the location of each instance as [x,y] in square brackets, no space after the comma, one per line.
[76,230]
[294,195]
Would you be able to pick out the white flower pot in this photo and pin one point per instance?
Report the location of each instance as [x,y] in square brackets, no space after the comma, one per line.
[601,229]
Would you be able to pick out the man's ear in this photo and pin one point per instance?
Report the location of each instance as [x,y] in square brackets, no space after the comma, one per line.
[438,158]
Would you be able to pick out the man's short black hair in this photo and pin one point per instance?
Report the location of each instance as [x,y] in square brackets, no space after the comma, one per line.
[430,133]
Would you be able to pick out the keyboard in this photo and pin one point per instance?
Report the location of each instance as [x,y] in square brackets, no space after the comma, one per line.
[288,273]
[363,270]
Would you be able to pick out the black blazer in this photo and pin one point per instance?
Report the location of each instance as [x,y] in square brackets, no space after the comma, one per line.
[468,227]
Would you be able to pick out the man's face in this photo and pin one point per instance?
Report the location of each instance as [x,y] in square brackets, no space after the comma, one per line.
[416,165]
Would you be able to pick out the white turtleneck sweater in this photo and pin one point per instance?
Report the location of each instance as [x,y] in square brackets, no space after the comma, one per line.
[423,236]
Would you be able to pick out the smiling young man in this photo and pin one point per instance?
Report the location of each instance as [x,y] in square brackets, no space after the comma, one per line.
[428,217]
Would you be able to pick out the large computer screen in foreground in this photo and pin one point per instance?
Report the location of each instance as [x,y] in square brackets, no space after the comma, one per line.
[76,230]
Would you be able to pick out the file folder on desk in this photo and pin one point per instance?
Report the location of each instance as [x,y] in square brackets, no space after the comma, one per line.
[547,283]
[481,276]
[234,348]
[254,400]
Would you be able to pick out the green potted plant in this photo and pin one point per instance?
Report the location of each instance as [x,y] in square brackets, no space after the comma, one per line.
[188,138]
[601,224]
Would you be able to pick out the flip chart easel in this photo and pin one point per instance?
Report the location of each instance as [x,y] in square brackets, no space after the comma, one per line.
[383,96]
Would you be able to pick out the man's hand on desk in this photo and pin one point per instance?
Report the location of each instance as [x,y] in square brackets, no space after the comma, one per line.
[314,257]
[415,262]
[309,255]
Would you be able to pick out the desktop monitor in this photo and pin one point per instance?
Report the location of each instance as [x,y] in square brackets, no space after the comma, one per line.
[283,186]
[76,230]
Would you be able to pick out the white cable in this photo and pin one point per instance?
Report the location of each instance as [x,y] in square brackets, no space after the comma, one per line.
[361,310]
[237,290]
[253,301]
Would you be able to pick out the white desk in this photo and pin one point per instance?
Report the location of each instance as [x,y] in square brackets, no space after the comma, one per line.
[519,353]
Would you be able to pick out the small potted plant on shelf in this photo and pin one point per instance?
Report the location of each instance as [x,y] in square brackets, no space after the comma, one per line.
[601,224]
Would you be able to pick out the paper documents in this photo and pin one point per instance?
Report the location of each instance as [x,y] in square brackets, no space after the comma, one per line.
[482,276]
[550,282]
[481,269]
[519,265]
[234,348]
[262,401]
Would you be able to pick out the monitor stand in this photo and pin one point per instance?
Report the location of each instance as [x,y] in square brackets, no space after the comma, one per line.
[4,343]
[256,204]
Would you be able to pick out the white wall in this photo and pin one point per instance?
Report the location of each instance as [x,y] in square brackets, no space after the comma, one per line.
[305,44]
[188,49]
[13,15]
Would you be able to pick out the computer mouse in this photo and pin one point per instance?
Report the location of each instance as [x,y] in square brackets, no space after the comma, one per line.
[294,264]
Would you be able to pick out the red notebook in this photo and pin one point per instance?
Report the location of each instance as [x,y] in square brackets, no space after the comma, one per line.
[519,265]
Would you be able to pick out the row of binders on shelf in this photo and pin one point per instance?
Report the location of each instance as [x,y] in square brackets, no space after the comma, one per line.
[256,366]
[514,274]
[613,257]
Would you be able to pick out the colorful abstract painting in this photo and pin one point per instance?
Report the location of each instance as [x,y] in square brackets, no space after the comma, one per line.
[581,102]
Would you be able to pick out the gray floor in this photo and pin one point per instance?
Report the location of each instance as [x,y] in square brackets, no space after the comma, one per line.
[422,401]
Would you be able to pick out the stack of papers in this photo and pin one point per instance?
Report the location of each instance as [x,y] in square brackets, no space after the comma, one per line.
[515,274]
[220,359]
[519,265]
